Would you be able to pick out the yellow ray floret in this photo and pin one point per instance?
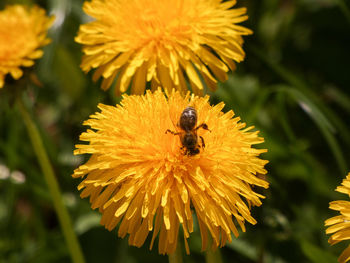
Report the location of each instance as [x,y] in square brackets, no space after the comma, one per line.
[140,178]
[23,31]
[339,226]
[171,43]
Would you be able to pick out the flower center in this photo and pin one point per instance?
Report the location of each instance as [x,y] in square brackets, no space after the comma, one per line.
[159,24]
[14,40]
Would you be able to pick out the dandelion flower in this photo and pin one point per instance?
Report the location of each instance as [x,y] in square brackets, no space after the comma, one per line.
[166,43]
[23,32]
[139,177]
[339,226]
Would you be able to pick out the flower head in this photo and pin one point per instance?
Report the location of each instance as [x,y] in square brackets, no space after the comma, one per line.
[22,32]
[339,226]
[140,177]
[166,43]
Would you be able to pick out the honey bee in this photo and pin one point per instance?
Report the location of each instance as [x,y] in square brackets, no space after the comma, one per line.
[188,134]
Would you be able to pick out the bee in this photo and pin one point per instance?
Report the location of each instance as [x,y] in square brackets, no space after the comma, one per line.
[188,134]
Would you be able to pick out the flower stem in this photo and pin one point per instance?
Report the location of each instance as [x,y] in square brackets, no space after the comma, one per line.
[63,216]
[212,256]
[176,257]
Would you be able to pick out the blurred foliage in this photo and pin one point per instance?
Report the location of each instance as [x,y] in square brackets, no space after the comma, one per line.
[292,87]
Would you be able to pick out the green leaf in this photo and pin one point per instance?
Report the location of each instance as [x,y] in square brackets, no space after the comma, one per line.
[316,254]
[71,78]
[86,222]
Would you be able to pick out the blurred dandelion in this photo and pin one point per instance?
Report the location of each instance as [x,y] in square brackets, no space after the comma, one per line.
[23,32]
[140,177]
[339,226]
[18,177]
[4,172]
[167,43]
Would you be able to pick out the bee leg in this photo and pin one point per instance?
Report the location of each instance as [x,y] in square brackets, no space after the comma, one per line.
[172,132]
[204,126]
[202,140]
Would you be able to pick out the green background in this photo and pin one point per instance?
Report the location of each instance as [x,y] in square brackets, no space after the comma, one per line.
[293,86]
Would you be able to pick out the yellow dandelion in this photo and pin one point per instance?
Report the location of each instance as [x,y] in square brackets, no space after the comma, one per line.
[167,43]
[142,179]
[23,31]
[339,226]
